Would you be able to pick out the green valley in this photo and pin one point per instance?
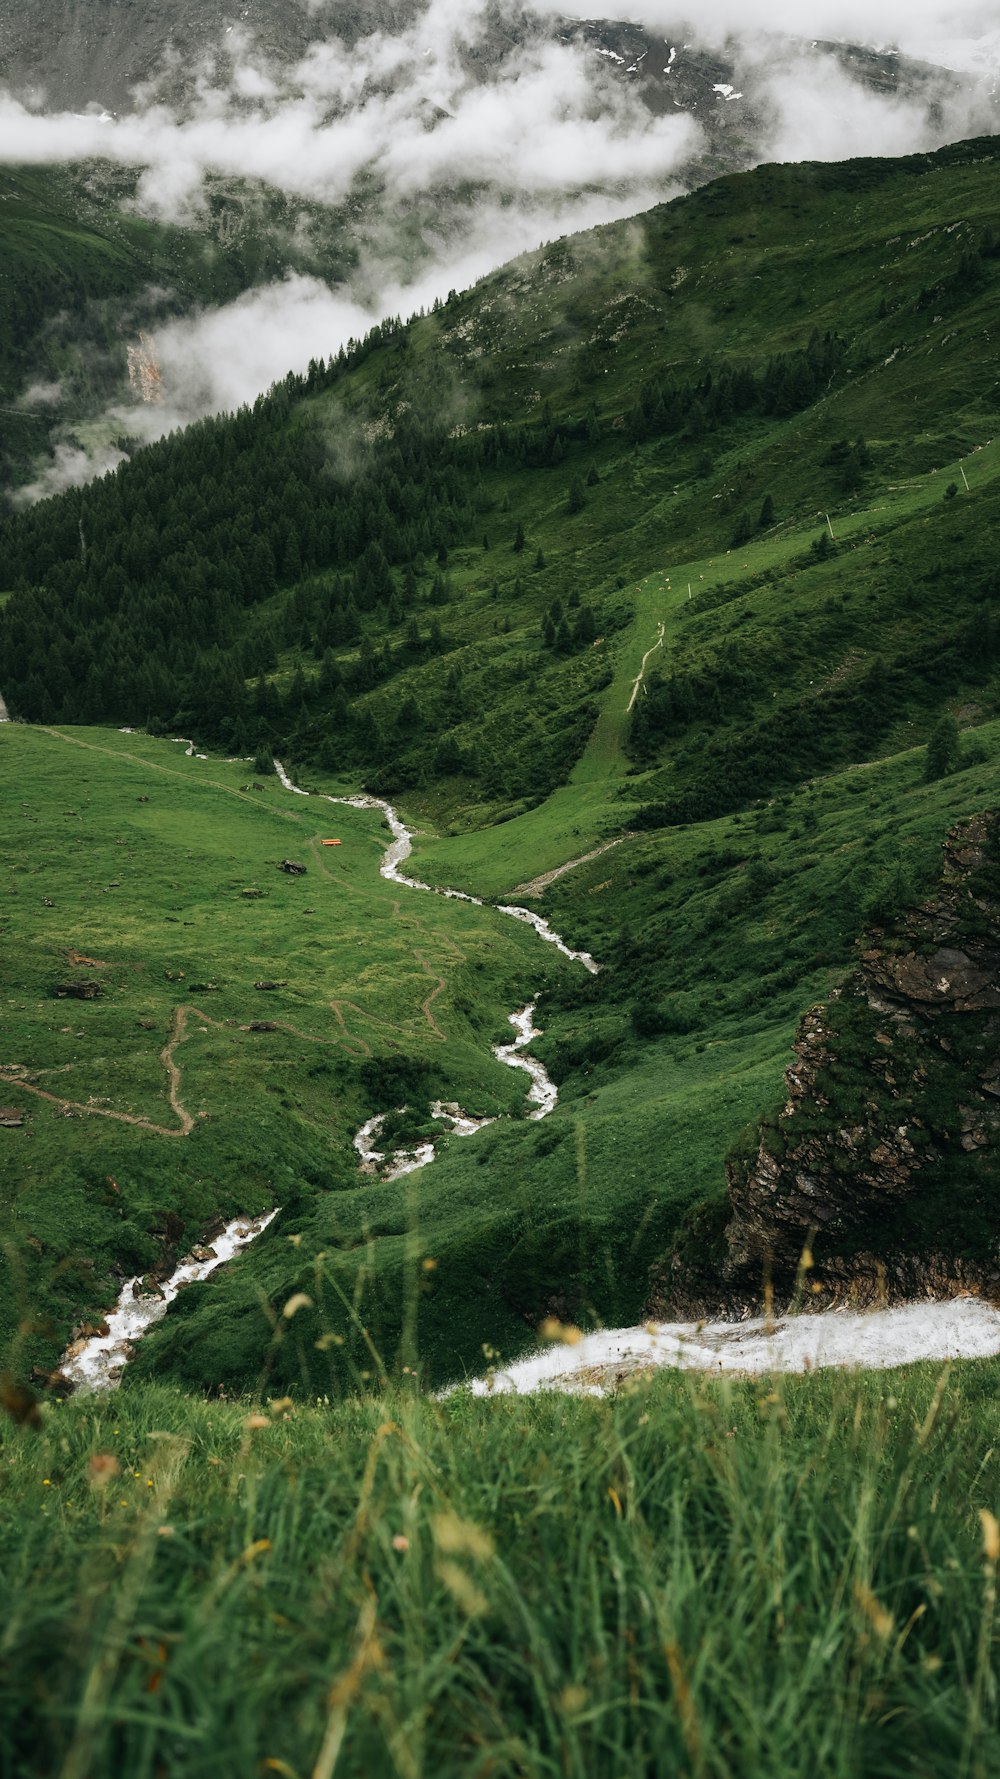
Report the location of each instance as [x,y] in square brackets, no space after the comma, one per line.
[645,598]
[679,536]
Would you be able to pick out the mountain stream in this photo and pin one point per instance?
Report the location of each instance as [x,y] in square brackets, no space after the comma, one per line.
[97,1361]
[963,1327]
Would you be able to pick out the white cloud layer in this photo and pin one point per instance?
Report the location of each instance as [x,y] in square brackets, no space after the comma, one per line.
[452,172]
[404,112]
[962,34]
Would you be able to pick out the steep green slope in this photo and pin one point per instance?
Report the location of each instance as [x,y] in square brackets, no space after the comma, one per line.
[727,349]
[442,564]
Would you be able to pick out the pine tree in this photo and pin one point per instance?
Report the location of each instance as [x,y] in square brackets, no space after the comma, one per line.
[944,749]
[585,628]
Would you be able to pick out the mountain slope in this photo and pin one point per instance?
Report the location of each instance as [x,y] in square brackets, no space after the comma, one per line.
[438,565]
[271,139]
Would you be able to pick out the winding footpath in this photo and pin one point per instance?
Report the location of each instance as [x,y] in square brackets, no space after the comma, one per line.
[658,644]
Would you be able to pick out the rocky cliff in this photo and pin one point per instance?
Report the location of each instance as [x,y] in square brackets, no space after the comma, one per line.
[879,1178]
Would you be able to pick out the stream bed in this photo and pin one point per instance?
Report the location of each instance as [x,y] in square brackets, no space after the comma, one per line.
[97,1362]
[871,1340]
[543,1094]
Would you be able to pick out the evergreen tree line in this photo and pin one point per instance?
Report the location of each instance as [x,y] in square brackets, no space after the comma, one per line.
[740,755]
[786,384]
[154,596]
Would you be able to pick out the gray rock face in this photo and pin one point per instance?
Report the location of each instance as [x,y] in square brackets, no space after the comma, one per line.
[893,1093]
[71,54]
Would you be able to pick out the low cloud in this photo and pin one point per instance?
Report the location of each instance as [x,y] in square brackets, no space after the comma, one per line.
[404,113]
[953,33]
[70,467]
[449,171]
[41,395]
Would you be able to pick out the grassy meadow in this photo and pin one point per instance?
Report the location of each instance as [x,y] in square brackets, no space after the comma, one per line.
[717,1579]
[156,876]
[276,1549]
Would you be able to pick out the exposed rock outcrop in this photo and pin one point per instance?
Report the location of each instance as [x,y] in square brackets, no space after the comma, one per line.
[884,1163]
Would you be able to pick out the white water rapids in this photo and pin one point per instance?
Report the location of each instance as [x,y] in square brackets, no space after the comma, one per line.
[98,1362]
[543,1094]
[872,1340]
[407,1161]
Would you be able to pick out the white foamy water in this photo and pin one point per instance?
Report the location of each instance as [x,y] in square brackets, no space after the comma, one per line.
[406,1161]
[543,1091]
[959,1328]
[379,1161]
[97,1363]
[546,932]
[400,849]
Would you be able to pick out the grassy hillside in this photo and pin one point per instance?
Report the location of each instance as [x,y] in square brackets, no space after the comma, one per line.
[713,938]
[721,1580]
[736,459]
[152,881]
[391,562]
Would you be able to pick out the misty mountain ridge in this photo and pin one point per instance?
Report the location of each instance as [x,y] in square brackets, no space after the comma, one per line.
[98,58]
[251,187]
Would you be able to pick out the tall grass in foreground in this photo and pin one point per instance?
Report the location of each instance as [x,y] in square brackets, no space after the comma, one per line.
[696,1577]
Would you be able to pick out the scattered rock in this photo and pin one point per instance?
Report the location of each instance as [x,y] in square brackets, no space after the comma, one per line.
[56,1381]
[293,868]
[147,1286]
[267,986]
[10,1118]
[79,991]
